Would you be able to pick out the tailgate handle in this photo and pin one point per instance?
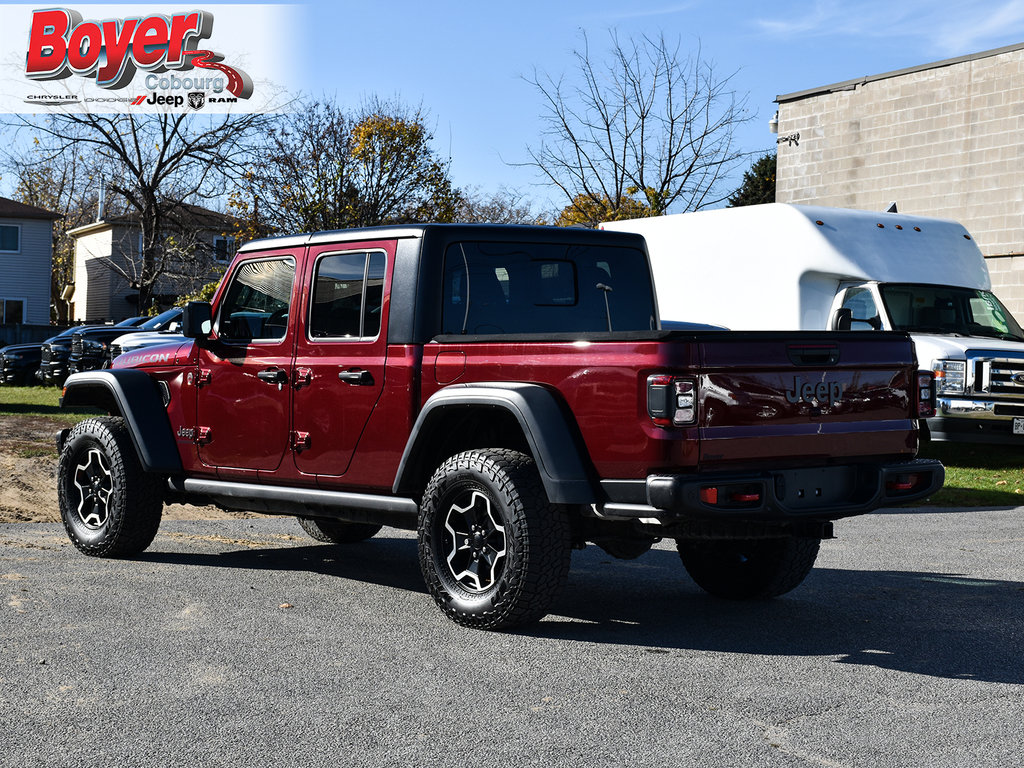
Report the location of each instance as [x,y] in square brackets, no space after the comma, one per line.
[813,354]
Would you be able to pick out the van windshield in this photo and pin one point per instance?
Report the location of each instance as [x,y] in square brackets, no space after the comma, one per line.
[948,309]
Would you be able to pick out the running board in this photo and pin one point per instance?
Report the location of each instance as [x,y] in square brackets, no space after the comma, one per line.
[396,511]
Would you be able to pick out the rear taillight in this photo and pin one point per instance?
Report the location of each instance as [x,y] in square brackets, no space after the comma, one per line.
[671,401]
[925,394]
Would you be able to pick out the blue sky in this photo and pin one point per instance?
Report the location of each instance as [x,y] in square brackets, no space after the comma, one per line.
[465,61]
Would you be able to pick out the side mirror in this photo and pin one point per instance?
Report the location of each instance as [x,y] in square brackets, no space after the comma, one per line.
[197,320]
[843,319]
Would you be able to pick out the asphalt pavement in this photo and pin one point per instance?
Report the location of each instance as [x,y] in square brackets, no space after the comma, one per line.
[245,643]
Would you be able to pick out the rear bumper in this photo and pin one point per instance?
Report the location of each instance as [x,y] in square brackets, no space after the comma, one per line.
[818,493]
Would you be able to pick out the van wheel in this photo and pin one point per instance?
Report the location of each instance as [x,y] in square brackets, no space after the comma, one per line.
[110,506]
[493,550]
[337,531]
[749,569]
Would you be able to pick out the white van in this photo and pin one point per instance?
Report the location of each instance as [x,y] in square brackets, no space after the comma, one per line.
[780,267]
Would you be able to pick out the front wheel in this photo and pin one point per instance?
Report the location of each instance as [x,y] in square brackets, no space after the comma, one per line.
[493,550]
[109,504]
[748,569]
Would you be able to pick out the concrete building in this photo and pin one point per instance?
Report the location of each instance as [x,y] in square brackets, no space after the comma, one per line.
[943,139]
[26,261]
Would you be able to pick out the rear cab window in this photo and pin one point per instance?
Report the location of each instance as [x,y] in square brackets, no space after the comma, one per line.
[526,288]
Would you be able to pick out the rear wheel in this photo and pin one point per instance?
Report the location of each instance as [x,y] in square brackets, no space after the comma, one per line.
[748,569]
[493,550]
[337,531]
[110,506]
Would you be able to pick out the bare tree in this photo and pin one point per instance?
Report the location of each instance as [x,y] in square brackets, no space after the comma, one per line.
[67,185]
[155,164]
[645,127]
[502,207]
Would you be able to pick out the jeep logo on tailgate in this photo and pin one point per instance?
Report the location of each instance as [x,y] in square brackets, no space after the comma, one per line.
[825,393]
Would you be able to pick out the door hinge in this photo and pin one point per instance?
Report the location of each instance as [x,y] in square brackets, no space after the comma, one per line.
[203,377]
[303,377]
[300,441]
[204,435]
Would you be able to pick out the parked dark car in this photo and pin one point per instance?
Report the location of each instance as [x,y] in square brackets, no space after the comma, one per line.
[19,364]
[56,351]
[90,346]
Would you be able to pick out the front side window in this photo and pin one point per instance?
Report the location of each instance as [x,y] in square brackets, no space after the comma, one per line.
[256,305]
[348,295]
[10,238]
[492,288]
[861,304]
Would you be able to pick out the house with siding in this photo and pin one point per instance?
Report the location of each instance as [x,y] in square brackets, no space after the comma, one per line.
[108,253]
[26,260]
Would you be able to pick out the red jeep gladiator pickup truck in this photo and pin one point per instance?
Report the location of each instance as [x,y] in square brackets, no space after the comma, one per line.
[508,393]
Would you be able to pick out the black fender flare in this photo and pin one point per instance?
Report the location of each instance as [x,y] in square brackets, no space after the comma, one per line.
[552,439]
[134,396]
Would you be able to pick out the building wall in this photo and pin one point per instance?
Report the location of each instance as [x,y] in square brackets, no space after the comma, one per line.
[25,275]
[99,291]
[944,141]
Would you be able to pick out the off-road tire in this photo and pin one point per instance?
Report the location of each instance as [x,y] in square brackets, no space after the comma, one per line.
[748,569]
[337,531]
[523,541]
[109,504]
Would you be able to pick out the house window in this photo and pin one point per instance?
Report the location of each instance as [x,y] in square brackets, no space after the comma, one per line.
[10,238]
[223,248]
[12,311]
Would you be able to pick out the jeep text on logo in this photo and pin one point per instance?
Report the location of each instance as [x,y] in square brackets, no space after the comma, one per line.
[60,44]
[824,393]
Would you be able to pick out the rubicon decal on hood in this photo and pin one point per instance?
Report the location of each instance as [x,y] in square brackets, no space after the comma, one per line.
[144,358]
[111,51]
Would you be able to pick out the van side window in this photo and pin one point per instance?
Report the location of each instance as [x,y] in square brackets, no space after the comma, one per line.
[348,293]
[861,304]
[256,305]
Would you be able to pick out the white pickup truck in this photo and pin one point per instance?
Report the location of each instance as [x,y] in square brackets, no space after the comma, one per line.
[781,267]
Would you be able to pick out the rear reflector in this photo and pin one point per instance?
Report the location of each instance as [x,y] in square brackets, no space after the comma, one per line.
[904,483]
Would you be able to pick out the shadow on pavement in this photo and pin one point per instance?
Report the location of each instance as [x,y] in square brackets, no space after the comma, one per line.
[941,625]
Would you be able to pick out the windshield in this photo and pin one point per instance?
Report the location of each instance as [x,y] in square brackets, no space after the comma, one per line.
[161,321]
[948,309]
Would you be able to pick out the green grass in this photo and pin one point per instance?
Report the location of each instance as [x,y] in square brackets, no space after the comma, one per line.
[976,475]
[39,401]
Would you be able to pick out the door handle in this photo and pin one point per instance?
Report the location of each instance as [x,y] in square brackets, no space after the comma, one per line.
[357,376]
[273,376]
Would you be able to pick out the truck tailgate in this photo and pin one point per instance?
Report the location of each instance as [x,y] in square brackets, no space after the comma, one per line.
[806,395]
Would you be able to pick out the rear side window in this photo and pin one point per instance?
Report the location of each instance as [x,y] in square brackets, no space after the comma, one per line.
[505,288]
[348,294]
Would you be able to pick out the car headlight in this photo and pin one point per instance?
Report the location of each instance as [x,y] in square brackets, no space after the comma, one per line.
[950,377]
